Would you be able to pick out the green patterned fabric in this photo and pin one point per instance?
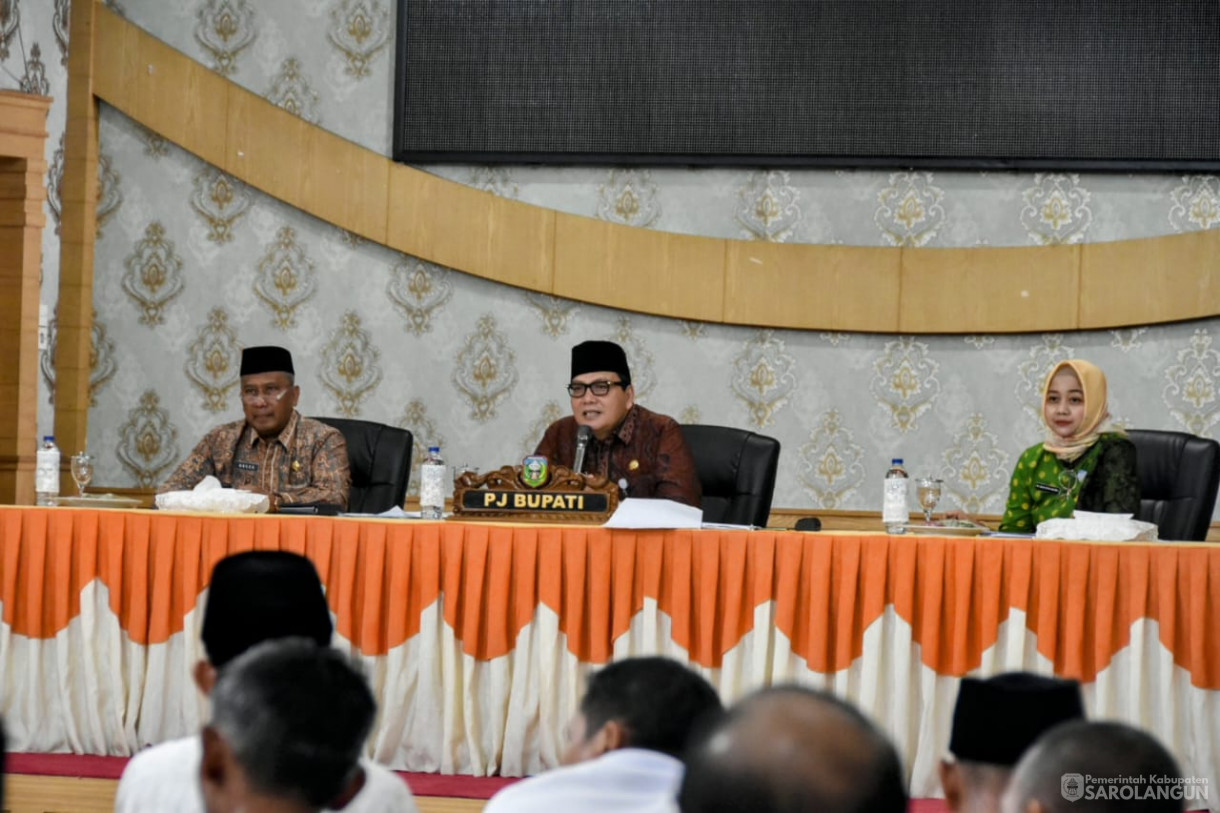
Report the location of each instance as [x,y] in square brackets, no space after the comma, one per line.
[1043,486]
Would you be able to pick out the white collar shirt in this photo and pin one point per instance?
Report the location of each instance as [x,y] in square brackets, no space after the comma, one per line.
[165,777]
[628,779]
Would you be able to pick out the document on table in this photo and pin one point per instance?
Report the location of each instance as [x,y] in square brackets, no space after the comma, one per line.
[643,513]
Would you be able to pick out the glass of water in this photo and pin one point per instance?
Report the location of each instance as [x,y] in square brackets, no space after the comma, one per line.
[82,470]
[927,491]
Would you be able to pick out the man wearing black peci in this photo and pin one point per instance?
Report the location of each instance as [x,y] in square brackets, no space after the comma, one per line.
[273,450]
[254,597]
[643,451]
[995,721]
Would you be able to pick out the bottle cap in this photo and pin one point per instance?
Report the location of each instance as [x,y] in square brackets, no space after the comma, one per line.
[897,461]
[434,448]
[45,438]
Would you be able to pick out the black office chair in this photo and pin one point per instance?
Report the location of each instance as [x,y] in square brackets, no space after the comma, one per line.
[1179,474]
[380,458]
[736,468]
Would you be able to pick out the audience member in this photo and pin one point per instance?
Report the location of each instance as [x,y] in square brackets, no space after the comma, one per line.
[1088,767]
[994,722]
[288,721]
[254,597]
[789,749]
[624,743]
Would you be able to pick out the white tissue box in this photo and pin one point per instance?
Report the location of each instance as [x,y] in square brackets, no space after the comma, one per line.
[1096,527]
[211,497]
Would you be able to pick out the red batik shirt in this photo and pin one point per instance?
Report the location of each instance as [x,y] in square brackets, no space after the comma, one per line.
[646,455]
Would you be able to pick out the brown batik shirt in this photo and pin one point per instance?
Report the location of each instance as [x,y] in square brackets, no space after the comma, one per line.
[646,455]
[306,463]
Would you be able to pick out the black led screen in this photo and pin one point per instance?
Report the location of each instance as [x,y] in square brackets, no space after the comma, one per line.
[1026,83]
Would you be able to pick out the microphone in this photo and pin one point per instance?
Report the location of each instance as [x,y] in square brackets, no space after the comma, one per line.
[582,445]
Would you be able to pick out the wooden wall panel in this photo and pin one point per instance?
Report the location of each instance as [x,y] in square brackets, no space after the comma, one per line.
[23,134]
[116,75]
[78,222]
[470,230]
[266,147]
[520,249]
[190,99]
[346,184]
[1158,280]
[430,220]
[989,290]
[23,129]
[20,255]
[639,269]
[812,287]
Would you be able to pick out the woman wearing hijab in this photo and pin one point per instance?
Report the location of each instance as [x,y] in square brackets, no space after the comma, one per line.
[1084,463]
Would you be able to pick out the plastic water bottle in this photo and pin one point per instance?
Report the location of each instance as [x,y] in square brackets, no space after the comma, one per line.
[46,472]
[432,485]
[894,511]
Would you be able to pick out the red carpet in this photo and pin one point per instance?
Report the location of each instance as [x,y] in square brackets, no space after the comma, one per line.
[93,767]
[83,765]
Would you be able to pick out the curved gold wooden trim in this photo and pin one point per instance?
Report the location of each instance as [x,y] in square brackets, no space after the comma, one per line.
[907,290]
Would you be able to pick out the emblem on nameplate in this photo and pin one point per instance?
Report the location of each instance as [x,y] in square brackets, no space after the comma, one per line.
[535,471]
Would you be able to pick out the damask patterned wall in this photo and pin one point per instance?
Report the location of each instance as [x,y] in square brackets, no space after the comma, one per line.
[34,59]
[191,265]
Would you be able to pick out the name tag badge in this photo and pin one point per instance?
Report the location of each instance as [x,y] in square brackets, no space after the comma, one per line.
[1048,488]
[243,466]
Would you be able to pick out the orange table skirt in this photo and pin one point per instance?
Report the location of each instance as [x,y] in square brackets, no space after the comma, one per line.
[749,608]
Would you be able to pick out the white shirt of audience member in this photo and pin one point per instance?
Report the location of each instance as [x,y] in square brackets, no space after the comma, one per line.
[166,777]
[626,779]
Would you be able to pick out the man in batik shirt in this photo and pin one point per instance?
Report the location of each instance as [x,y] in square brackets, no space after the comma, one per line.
[273,450]
[643,451]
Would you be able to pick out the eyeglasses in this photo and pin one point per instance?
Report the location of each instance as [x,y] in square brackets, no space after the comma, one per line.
[272,395]
[577,390]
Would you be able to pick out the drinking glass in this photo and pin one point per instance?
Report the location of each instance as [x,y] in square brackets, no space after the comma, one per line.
[927,491]
[82,470]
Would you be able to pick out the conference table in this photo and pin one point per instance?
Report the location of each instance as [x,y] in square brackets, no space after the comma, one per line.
[477,637]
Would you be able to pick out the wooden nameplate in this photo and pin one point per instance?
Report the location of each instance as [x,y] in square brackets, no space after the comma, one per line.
[507,494]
